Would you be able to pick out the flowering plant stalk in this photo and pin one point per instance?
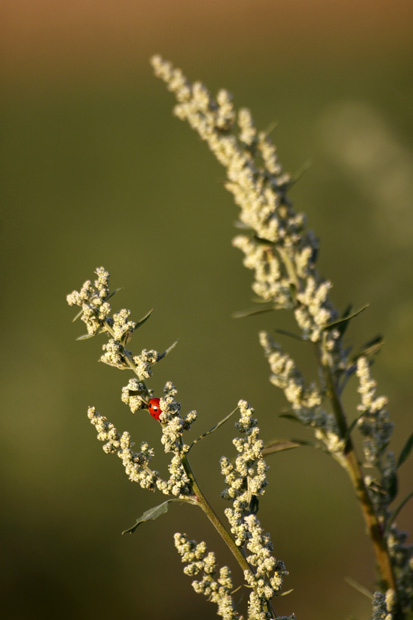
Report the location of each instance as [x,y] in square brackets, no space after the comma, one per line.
[245,478]
[282,252]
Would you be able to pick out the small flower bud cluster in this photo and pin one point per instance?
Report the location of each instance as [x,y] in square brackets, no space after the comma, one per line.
[92,300]
[270,283]
[134,395]
[215,586]
[144,362]
[122,326]
[314,310]
[114,354]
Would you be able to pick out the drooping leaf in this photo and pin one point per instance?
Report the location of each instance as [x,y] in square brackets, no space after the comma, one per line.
[214,428]
[150,515]
[404,454]
[282,445]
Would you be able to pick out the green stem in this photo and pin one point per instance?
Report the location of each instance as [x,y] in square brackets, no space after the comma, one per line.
[215,520]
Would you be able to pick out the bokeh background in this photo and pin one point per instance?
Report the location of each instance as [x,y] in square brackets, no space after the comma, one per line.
[96,171]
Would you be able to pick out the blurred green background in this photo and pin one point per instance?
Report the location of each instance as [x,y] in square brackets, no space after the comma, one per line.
[96,171]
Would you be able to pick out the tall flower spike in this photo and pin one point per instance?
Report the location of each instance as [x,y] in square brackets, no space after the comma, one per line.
[217,587]
[280,250]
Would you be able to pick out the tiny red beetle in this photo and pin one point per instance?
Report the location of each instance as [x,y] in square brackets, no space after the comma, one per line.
[154,408]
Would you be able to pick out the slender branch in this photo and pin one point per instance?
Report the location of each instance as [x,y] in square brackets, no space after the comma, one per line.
[219,526]
[375,530]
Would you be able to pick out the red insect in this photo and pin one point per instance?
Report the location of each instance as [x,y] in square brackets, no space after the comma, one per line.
[154,408]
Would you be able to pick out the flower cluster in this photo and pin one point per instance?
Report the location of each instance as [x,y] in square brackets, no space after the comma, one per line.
[245,481]
[217,587]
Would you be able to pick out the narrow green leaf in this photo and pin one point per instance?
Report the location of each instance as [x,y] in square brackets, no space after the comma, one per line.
[85,337]
[297,176]
[113,293]
[404,454]
[372,347]
[242,314]
[254,505]
[287,592]
[353,424]
[282,445]
[398,509]
[359,587]
[285,332]
[143,319]
[168,350]
[241,225]
[78,315]
[214,428]
[343,327]
[344,319]
[393,487]
[150,515]
[291,417]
